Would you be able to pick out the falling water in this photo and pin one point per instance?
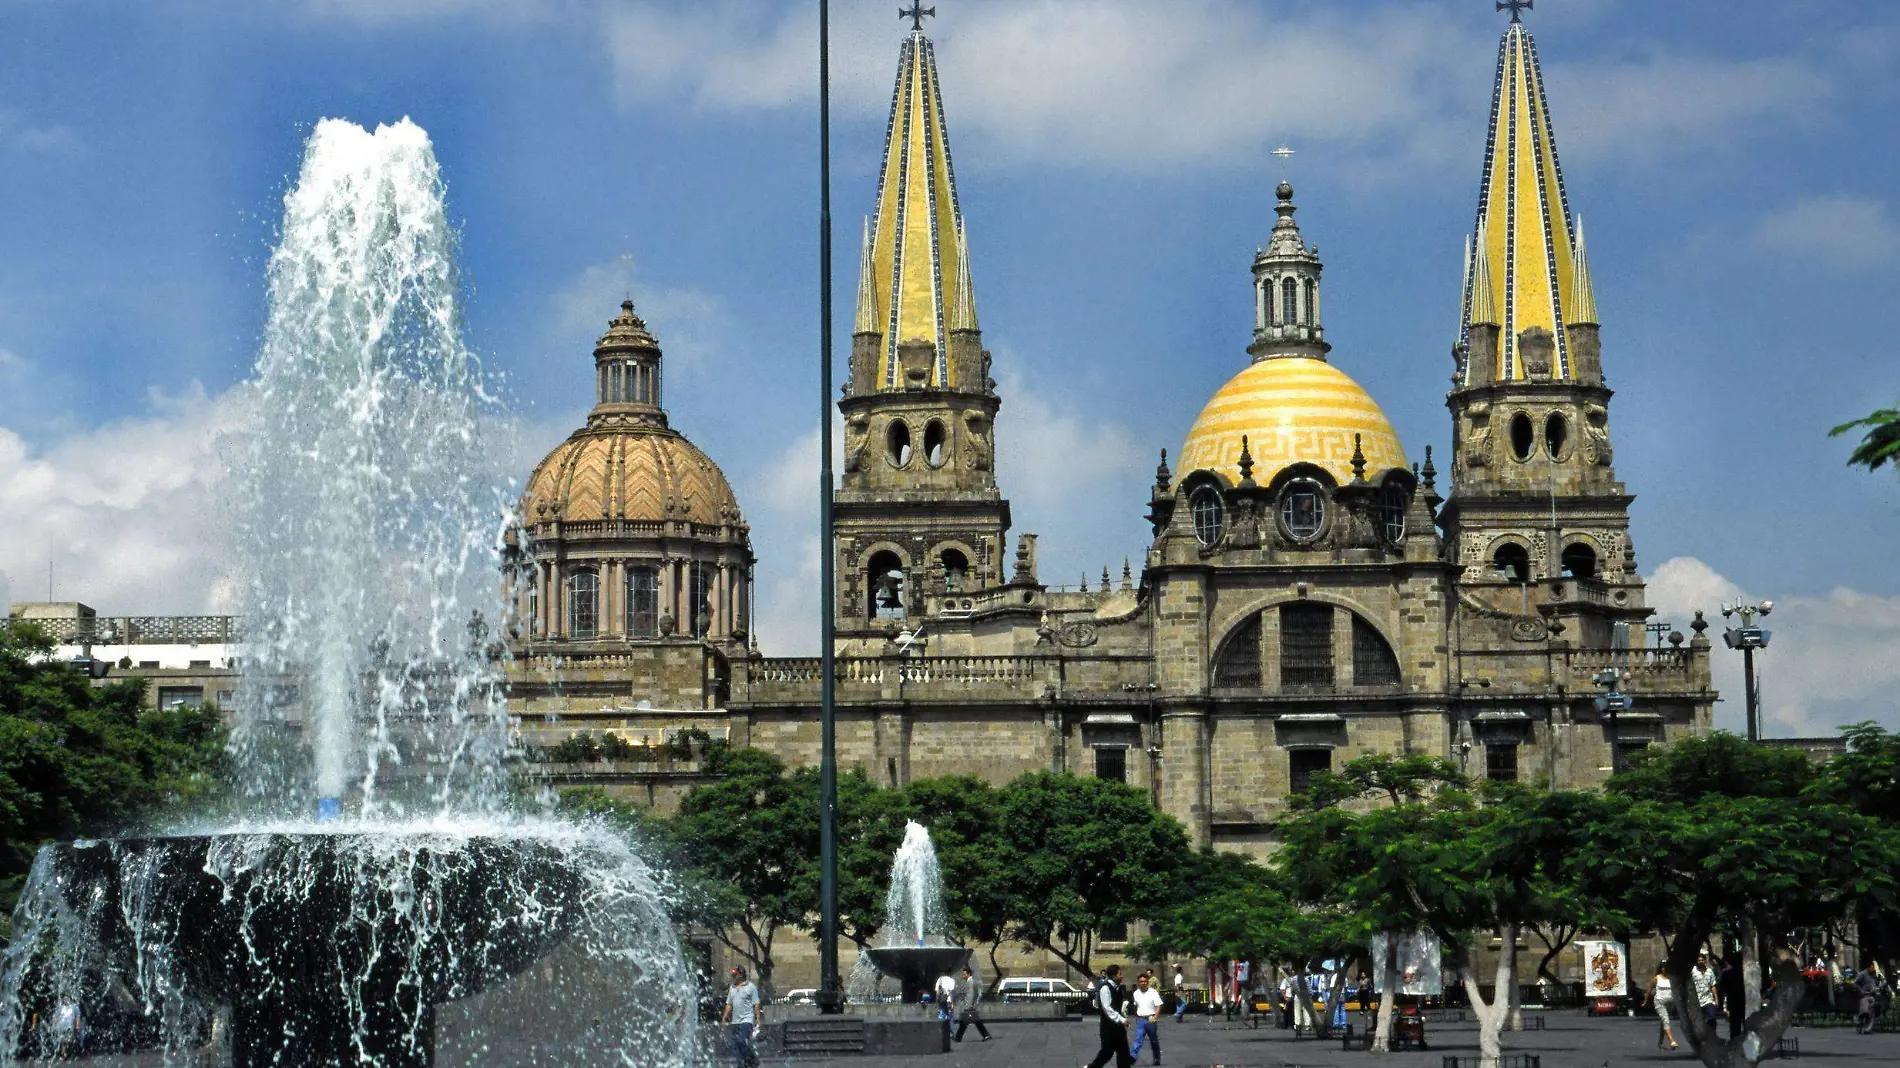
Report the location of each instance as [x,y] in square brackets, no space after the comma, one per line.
[371,900]
[368,501]
[913,907]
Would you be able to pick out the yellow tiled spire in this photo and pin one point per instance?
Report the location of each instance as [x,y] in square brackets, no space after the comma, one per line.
[919,285]
[1582,307]
[1528,254]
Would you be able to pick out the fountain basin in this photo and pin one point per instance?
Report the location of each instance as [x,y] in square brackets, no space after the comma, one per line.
[917,968]
[326,948]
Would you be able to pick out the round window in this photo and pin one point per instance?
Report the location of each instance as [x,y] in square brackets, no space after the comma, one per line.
[1523,436]
[898,443]
[1303,509]
[1556,432]
[1206,508]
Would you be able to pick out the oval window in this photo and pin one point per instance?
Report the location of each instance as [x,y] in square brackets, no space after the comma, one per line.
[1303,509]
[898,443]
[1523,436]
[1206,508]
[933,444]
[1556,432]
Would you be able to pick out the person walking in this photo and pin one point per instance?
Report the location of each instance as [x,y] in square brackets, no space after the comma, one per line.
[1868,1011]
[741,1017]
[1180,995]
[1702,977]
[1147,1003]
[1662,995]
[969,996]
[1108,998]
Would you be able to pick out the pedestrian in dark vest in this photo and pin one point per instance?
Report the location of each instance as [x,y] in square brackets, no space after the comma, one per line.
[1108,997]
[969,995]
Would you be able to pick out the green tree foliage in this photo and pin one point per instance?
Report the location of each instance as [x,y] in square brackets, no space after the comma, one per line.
[1715,834]
[1879,445]
[79,760]
[1396,778]
[1078,854]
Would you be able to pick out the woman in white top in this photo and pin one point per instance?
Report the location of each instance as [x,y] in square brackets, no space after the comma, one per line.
[1662,995]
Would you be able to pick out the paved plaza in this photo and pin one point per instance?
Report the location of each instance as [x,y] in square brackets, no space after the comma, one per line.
[1570,1040]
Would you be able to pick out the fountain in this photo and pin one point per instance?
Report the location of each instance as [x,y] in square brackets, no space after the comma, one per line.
[367,896]
[916,950]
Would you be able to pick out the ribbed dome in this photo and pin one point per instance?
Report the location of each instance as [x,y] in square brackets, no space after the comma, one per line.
[1292,410]
[638,473]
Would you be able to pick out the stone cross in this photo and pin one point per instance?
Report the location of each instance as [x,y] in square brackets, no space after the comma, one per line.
[1516,8]
[916,15]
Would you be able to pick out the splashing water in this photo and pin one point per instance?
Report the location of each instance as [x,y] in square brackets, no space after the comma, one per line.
[371,900]
[367,503]
[913,907]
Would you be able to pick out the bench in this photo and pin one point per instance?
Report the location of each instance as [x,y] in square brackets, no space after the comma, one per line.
[1508,1060]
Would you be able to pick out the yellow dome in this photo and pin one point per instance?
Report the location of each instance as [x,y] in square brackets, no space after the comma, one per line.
[1292,410]
[637,473]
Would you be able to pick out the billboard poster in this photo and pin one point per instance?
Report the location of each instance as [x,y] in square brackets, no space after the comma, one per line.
[1605,970]
[1419,971]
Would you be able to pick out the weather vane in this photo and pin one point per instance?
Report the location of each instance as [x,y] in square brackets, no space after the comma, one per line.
[916,15]
[1516,8]
[1285,156]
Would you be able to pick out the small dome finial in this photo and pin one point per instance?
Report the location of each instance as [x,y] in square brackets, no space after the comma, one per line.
[1246,462]
[1358,460]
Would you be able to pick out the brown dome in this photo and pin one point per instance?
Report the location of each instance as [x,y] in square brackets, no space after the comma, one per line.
[638,472]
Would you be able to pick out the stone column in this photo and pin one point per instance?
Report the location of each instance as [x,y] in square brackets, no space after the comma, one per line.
[1342,649]
[1184,787]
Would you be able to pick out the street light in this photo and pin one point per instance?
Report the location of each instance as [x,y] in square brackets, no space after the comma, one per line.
[1612,702]
[1748,637]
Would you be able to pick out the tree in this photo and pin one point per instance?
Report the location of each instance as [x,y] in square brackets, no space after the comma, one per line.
[1077,854]
[960,811]
[737,833]
[78,760]
[1709,835]
[1881,443]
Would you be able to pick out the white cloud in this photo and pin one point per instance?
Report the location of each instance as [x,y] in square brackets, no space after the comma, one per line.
[127,513]
[1830,661]
[688,323]
[1844,231]
[1143,87]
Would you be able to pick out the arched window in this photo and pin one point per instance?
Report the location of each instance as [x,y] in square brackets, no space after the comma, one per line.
[534,605]
[1289,302]
[956,570]
[1392,505]
[1556,432]
[884,586]
[1303,509]
[643,602]
[1373,663]
[699,601]
[1206,508]
[1512,562]
[1523,436]
[1306,646]
[1312,304]
[1580,561]
[1265,296]
[1238,665]
[583,604]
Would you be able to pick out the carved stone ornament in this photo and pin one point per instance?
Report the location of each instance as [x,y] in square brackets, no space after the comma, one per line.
[1596,435]
[976,444]
[857,436]
[1528,630]
[1078,635]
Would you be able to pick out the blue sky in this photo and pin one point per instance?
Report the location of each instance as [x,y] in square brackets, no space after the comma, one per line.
[1734,161]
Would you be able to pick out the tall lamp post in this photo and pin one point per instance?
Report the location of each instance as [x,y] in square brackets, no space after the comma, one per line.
[1612,702]
[1748,637]
[830,991]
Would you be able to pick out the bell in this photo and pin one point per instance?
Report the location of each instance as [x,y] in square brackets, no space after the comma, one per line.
[887,596]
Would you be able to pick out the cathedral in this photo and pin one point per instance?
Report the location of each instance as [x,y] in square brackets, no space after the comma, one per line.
[1311,592]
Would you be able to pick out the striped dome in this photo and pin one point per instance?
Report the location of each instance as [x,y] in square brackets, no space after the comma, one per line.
[1291,409]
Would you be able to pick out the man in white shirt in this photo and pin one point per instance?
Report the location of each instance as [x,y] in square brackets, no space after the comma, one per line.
[1114,1026]
[1147,1016]
[1180,996]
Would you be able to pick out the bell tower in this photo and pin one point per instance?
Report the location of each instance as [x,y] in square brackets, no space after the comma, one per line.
[918,517]
[1537,519]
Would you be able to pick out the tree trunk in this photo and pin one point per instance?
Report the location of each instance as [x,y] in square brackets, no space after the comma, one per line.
[1491,1015]
[1336,997]
[1762,1028]
[1389,996]
[1303,1000]
[1751,966]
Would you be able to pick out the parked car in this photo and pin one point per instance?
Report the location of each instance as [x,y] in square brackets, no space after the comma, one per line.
[1031,988]
[804,995]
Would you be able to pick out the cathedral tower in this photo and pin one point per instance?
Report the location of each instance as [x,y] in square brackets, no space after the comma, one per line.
[1536,517]
[918,514]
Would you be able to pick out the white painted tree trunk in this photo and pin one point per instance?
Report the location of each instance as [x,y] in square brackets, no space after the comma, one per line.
[1389,986]
[1751,967]
[1303,1000]
[1491,1014]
